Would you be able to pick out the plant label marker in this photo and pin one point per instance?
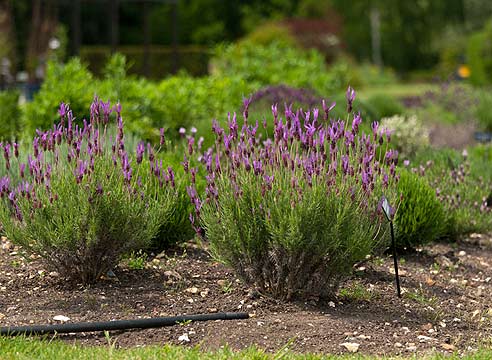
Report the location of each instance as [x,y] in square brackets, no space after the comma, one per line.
[388,213]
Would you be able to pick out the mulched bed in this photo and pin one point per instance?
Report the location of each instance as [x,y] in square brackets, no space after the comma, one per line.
[446,305]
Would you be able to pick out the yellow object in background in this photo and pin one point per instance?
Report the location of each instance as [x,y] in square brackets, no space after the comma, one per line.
[464,71]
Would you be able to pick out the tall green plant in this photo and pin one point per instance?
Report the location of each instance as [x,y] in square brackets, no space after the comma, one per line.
[82,200]
[273,209]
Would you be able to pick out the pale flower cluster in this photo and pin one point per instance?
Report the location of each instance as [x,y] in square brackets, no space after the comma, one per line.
[408,133]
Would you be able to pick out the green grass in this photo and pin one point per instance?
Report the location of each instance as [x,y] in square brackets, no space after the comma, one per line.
[355,292]
[23,348]
[397,90]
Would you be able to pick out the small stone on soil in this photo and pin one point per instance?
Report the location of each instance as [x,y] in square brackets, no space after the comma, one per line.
[61,318]
[352,347]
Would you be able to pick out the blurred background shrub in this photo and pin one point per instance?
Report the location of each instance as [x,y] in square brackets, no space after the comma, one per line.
[408,136]
[10,115]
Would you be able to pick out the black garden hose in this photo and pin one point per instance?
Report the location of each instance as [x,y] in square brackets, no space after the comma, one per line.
[116,324]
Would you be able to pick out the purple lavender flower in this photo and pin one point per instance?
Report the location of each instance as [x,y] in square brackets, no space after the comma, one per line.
[246,102]
[140,151]
[385,180]
[80,170]
[106,109]
[268,181]
[182,131]
[162,140]
[350,95]
[200,143]
[375,127]
[327,109]
[6,155]
[150,151]
[257,167]
[388,133]
[365,180]
[156,168]
[22,169]
[171,176]
[99,189]
[185,164]
[191,142]
[12,197]
[35,145]
[217,163]
[275,111]
[4,186]
[349,139]
[355,123]
[345,164]
[193,172]
[127,175]
[247,164]
[94,109]
[217,130]
[232,124]
[62,111]
[117,108]
[16,150]
[120,130]
[192,193]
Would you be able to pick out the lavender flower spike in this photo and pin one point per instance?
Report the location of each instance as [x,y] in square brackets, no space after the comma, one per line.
[162,140]
[140,151]
[327,109]
[350,98]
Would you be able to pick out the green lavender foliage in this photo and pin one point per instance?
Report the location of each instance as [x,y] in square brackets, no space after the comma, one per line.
[176,228]
[294,213]
[290,250]
[82,235]
[81,219]
[462,184]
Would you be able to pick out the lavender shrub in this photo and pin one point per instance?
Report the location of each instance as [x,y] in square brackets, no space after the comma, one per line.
[463,190]
[82,199]
[283,93]
[294,213]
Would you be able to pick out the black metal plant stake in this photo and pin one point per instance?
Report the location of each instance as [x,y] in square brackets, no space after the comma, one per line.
[387,212]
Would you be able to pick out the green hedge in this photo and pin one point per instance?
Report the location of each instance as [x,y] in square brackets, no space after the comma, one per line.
[10,120]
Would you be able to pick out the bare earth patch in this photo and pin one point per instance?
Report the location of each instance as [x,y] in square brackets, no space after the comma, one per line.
[457,136]
[446,304]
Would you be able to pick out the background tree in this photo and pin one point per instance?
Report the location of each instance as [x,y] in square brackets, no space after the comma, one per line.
[44,20]
[7,38]
[408,29]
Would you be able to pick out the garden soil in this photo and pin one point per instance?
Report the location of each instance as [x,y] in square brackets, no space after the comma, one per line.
[446,304]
